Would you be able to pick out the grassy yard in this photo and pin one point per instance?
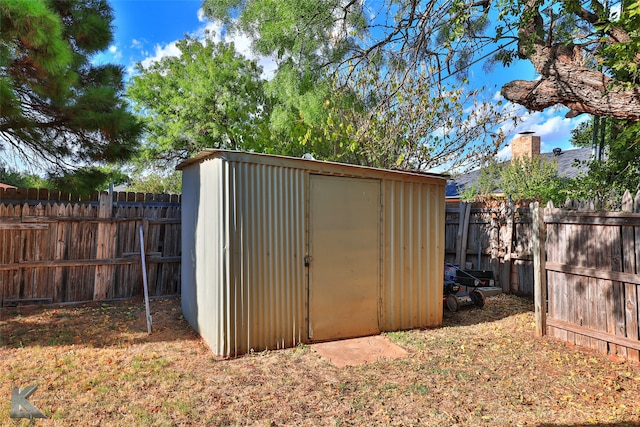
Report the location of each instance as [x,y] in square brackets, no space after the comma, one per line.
[96,365]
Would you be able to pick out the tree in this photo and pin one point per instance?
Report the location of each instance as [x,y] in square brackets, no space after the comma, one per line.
[418,127]
[587,58]
[157,182]
[85,180]
[80,182]
[487,185]
[55,106]
[208,97]
[617,169]
[393,109]
[19,179]
[308,110]
[542,183]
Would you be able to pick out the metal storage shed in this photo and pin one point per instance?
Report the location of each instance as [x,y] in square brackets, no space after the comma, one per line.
[278,251]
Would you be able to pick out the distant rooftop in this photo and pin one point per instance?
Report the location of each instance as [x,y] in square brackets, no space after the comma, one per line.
[567,161]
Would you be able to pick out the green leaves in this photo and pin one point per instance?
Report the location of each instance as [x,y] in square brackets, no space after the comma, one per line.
[542,183]
[208,97]
[375,98]
[32,39]
[619,169]
[307,32]
[83,181]
[55,107]
[161,181]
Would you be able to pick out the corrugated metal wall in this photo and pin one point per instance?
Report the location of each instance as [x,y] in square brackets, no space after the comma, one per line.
[190,207]
[204,242]
[267,283]
[244,283]
[413,255]
[249,252]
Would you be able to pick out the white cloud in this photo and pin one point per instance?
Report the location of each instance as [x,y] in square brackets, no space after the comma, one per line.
[214,28]
[215,32]
[115,52]
[241,42]
[201,17]
[614,14]
[160,52]
[136,44]
[551,125]
[504,153]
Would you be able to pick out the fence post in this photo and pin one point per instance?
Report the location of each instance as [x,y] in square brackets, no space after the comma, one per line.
[539,271]
[630,296]
[461,235]
[505,271]
[103,280]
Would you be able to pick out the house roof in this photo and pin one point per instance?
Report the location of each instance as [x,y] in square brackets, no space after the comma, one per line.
[568,167]
[6,186]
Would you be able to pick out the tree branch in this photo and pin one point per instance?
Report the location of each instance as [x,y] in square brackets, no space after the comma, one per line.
[564,79]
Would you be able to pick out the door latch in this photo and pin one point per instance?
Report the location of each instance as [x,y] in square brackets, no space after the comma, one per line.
[307,260]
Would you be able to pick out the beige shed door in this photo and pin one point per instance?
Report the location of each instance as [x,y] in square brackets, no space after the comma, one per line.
[344,229]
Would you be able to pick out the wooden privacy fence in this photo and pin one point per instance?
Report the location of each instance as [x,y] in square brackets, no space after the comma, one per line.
[592,277]
[492,235]
[57,248]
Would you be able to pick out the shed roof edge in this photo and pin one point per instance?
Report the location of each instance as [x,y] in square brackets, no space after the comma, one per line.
[311,165]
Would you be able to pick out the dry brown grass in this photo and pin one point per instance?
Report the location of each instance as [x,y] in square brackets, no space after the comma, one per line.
[95,365]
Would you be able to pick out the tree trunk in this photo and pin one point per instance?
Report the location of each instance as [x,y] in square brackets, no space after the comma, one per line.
[564,79]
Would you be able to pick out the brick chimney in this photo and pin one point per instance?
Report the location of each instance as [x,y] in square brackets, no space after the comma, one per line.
[525,144]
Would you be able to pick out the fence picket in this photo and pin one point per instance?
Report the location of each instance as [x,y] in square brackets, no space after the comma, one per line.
[630,289]
[48,247]
[593,263]
[618,293]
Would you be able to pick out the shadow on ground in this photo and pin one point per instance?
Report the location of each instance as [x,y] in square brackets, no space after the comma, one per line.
[124,322]
[94,324]
[495,308]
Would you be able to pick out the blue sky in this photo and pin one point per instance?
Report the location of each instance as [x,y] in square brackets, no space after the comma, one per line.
[146,30]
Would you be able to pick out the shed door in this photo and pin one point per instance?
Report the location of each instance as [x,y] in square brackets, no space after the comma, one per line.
[344,245]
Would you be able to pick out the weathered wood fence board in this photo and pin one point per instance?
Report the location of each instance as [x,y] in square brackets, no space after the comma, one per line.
[492,236]
[593,278]
[53,251]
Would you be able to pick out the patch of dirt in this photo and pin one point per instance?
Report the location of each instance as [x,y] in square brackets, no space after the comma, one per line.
[358,351]
[96,365]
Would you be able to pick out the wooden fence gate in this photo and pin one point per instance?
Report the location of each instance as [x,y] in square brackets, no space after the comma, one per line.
[593,278]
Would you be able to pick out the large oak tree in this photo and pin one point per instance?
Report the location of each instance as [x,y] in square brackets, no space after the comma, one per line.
[587,57]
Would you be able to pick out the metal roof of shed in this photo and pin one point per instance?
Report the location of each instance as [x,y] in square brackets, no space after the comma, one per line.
[319,166]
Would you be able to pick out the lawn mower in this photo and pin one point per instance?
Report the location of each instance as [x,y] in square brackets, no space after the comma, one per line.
[460,287]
